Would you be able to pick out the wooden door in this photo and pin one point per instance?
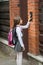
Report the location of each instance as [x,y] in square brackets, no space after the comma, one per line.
[23,14]
[41,26]
[4,19]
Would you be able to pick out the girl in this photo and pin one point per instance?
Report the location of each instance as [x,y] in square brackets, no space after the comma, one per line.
[19,28]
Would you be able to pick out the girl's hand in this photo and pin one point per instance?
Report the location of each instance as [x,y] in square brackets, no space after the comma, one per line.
[23,48]
[30,19]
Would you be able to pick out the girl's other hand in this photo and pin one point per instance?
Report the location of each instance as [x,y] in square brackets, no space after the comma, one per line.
[23,48]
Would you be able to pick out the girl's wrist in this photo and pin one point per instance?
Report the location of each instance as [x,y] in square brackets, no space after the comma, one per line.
[30,19]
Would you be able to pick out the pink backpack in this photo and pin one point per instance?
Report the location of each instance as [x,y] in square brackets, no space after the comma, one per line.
[10,38]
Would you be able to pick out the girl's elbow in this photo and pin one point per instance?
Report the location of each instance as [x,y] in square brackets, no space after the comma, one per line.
[27,26]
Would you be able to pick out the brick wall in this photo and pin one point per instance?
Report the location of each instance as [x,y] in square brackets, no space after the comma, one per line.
[33,36]
[14,10]
[22,11]
[33,32]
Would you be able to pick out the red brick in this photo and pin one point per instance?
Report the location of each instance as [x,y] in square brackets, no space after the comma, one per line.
[33,32]
[14,10]
[33,36]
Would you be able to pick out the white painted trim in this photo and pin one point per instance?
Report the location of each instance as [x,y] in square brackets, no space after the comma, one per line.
[38,57]
[5,42]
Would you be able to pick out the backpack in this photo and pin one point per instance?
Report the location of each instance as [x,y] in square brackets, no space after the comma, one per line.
[12,37]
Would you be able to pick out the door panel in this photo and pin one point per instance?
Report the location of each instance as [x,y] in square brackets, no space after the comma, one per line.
[4,19]
[23,14]
[41,26]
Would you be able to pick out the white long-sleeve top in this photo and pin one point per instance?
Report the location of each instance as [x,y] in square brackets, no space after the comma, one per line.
[19,32]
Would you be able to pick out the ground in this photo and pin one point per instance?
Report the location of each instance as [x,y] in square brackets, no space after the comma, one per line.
[8,60]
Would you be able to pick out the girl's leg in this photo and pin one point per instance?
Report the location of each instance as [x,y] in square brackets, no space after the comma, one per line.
[19,58]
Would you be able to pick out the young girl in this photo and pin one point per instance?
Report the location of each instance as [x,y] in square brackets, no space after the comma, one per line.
[17,23]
